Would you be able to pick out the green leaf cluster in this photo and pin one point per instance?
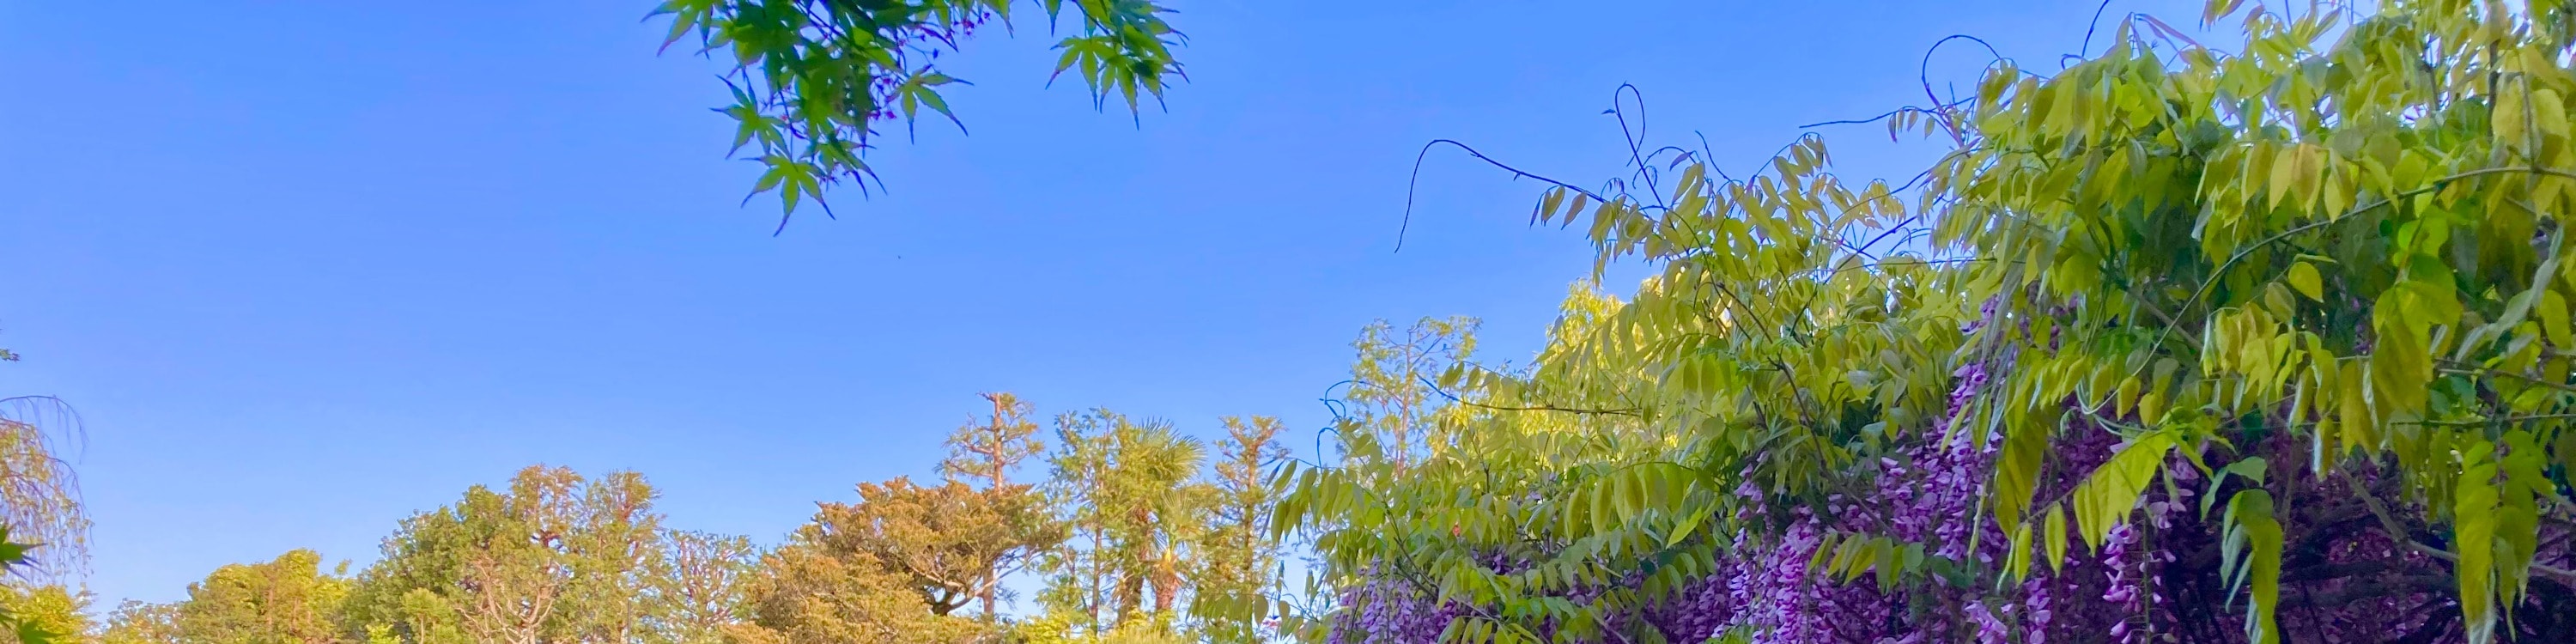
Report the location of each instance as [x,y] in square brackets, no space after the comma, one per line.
[812,79]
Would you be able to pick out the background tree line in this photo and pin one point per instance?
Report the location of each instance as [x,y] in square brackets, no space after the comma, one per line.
[1133,531]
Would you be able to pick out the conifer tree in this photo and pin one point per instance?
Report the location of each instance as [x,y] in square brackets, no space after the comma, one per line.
[989,450]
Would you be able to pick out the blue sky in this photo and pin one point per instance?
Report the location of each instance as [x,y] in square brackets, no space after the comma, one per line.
[305,268]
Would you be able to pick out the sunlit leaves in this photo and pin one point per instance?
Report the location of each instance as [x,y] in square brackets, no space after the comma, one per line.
[25,626]
[2251,558]
[2108,496]
[2473,507]
[2163,278]
[811,79]
[1845,558]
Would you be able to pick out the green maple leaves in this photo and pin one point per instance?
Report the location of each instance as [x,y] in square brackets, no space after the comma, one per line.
[812,79]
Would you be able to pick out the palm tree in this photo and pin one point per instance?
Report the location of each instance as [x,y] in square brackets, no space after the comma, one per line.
[1154,477]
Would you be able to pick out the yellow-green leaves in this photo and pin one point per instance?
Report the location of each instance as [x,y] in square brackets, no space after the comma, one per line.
[2250,553]
[2401,363]
[2473,508]
[2495,506]
[2017,469]
[2303,277]
[2523,487]
[1845,557]
[2298,173]
[2512,118]
[2056,538]
[2253,469]
[2111,492]
[2353,240]
[2355,424]
[2549,114]
[1690,522]
[2331,253]
[2553,319]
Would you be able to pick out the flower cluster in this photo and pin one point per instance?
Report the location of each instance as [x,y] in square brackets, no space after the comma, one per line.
[1389,611]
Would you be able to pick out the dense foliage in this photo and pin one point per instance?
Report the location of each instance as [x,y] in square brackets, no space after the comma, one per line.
[35,614]
[2174,344]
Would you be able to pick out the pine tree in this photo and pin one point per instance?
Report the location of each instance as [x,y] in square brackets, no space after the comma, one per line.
[988,451]
[991,448]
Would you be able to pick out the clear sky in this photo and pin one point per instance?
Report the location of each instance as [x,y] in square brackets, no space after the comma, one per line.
[305,268]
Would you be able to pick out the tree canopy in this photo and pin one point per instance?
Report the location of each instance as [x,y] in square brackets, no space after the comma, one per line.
[555,556]
[291,599]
